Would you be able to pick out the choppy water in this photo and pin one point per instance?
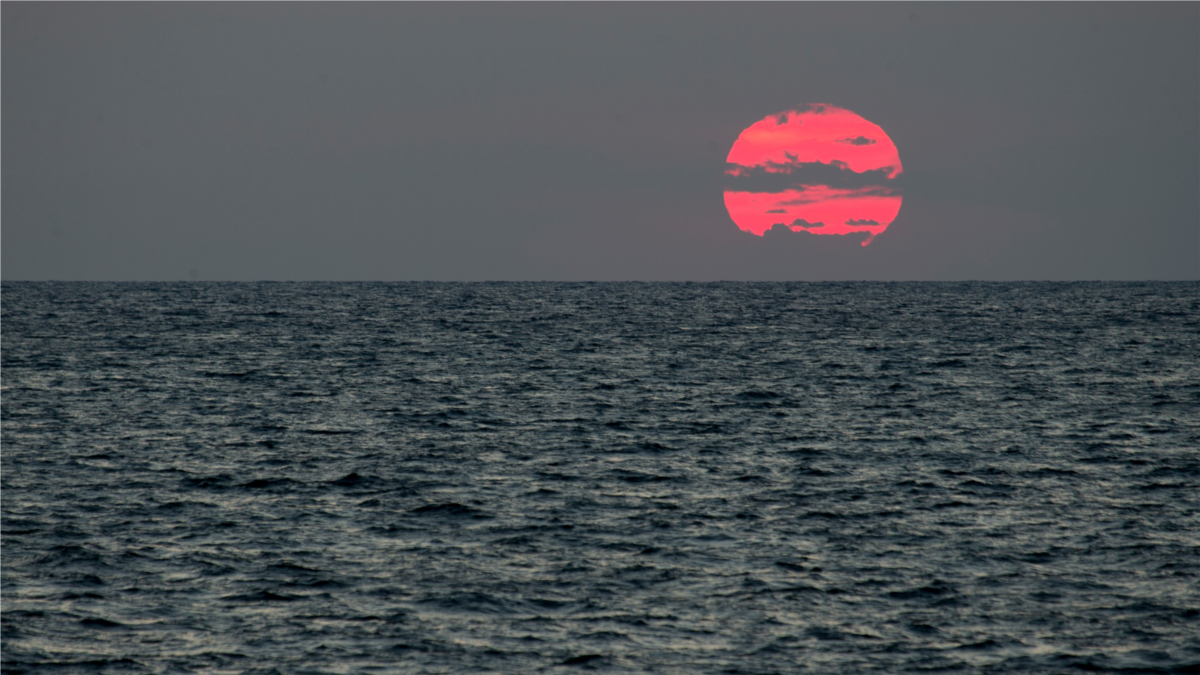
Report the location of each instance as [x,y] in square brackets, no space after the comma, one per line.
[668,478]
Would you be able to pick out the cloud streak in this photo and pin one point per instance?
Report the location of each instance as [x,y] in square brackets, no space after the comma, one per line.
[861,140]
[779,176]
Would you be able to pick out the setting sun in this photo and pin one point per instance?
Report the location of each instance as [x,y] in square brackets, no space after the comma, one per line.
[816,168]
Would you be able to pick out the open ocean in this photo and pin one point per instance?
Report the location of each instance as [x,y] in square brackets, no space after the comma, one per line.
[615,477]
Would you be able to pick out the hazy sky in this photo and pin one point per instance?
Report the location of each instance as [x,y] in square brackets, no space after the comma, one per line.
[378,141]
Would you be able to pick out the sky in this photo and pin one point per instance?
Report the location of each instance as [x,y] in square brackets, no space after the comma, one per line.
[586,141]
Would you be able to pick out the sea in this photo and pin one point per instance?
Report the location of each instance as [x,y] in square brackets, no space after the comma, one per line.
[600,477]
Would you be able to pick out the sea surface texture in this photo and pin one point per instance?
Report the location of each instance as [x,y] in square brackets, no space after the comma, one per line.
[626,478]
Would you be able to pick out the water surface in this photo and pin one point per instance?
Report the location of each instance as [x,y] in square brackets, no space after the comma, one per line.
[668,478]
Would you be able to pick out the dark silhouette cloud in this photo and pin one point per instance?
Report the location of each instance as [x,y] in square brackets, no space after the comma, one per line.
[881,191]
[782,230]
[861,140]
[862,222]
[815,108]
[877,191]
[777,211]
[777,177]
[800,222]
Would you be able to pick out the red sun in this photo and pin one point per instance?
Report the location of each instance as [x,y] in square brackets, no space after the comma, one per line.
[817,168]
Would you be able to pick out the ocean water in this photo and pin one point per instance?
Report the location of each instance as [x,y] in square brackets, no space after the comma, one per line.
[626,478]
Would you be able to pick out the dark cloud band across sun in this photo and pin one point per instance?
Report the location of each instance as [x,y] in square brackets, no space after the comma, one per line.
[816,166]
[773,177]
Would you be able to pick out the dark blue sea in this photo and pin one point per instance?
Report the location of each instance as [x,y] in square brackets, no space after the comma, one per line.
[611,477]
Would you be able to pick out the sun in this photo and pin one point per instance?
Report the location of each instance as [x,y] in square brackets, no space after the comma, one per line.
[816,168]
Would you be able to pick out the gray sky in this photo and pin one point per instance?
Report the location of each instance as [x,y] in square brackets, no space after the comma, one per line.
[378,141]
